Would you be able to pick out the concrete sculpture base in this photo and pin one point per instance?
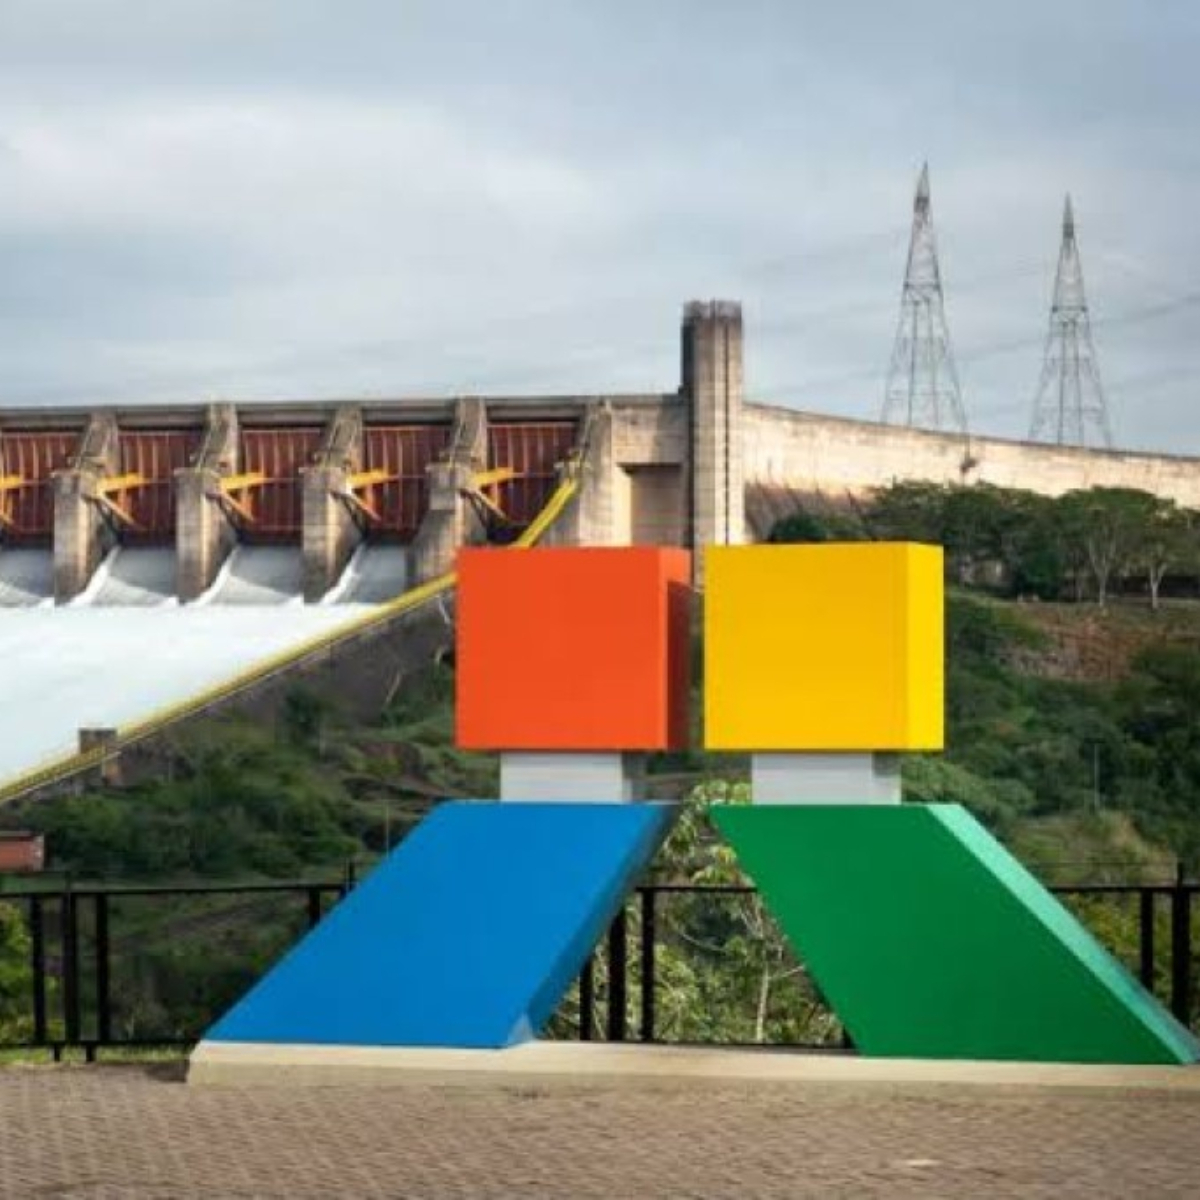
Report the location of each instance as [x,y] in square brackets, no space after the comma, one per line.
[631,1065]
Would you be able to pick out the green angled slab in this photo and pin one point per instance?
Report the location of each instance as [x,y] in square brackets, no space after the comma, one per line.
[931,941]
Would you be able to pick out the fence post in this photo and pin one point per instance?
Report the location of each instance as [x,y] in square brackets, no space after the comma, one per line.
[314,907]
[1146,938]
[618,955]
[70,967]
[103,998]
[649,938]
[1181,952]
[37,963]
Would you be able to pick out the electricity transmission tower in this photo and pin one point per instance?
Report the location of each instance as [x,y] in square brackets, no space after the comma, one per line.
[922,384]
[1069,407]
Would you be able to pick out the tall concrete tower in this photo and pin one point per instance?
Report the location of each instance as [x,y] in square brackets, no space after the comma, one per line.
[1069,407]
[922,383]
[712,386]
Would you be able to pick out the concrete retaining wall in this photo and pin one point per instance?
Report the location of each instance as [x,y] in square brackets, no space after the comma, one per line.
[831,456]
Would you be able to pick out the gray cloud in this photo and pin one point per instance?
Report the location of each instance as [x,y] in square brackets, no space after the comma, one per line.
[278,199]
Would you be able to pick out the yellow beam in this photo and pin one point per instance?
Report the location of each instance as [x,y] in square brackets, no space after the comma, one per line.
[488,503]
[239,508]
[239,483]
[489,479]
[10,483]
[121,483]
[496,475]
[361,505]
[122,515]
[365,479]
[561,497]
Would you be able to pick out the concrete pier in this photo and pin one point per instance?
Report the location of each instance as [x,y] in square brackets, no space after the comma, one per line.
[450,521]
[204,531]
[332,528]
[82,535]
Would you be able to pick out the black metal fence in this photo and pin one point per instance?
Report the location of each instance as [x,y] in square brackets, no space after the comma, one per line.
[90,967]
[94,966]
[1147,926]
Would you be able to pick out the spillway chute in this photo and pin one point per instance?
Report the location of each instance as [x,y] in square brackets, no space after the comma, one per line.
[26,577]
[258,575]
[132,577]
[374,575]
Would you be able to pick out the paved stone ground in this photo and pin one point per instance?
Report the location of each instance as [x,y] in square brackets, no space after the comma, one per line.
[101,1132]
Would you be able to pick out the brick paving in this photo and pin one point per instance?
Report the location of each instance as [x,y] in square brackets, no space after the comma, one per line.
[95,1133]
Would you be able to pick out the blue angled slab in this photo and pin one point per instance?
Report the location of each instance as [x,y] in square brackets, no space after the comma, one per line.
[467,935]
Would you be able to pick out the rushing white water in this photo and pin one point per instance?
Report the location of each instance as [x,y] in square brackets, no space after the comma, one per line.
[257,575]
[373,575]
[71,667]
[26,578]
[127,647]
[134,576]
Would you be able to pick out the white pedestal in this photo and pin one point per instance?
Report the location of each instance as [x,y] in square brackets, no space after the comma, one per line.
[603,777]
[825,778]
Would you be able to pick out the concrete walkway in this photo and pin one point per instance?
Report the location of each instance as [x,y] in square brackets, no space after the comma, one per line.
[100,1132]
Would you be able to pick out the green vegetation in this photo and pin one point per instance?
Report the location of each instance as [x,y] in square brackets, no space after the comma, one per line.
[1084,544]
[244,799]
[15,1023]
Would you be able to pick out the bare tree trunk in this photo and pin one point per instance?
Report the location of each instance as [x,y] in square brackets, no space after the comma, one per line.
[764,994]
[1156,575]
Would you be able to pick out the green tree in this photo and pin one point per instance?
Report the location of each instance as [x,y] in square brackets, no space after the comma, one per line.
[733,976]
[1031,546]
[16,1023]
[1109,525]
[974,522]
[1169,542]
[908,511]
[805,526]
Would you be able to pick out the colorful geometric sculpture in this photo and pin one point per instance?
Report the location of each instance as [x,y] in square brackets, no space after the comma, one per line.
[931,941]
[573,649]
[823,647]
[467,935]
[928,938]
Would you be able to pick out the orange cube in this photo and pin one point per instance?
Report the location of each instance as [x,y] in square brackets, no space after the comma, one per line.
[573,649]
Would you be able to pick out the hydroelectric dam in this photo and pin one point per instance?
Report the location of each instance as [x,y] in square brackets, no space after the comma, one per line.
[159,562]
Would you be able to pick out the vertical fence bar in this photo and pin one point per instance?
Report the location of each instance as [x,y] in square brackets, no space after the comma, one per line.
[37,964]
[1181,952]
[70,966]
[618,976]
[1146,938]
[103,973]
[314,907]
[649,938]
[587,1000]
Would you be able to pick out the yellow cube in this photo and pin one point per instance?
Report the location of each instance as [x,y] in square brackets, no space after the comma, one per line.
[835,646]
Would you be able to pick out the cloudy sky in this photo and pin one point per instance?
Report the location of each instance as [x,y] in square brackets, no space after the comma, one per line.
[259,199]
